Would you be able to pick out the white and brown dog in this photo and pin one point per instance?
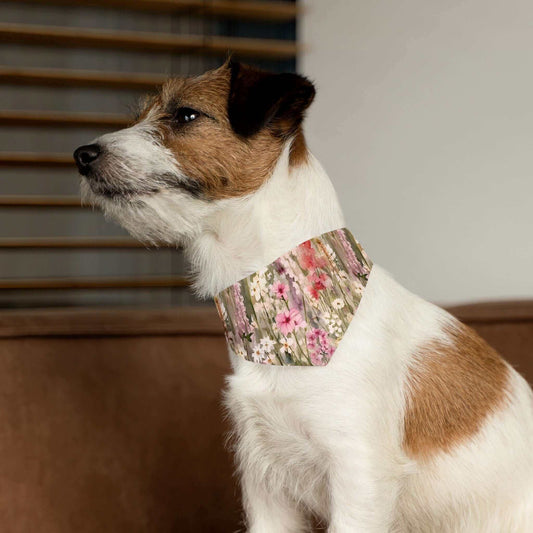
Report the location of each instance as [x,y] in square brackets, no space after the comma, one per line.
[416,425]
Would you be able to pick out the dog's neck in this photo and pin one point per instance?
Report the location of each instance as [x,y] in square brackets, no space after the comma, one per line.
[245,234]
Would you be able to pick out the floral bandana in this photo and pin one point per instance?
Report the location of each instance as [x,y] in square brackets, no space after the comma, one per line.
[295,311]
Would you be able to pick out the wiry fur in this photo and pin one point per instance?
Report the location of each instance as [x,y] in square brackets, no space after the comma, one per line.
[329,441]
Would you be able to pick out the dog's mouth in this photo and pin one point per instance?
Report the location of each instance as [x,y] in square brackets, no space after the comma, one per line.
[112,179]
[101,186]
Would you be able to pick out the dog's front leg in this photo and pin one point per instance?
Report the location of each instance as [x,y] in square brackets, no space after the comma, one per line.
[268,511]
[363,494]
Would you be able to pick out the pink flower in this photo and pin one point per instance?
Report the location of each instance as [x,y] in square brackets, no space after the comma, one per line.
[312,335]
[287,321]
[308,258]
[317,335]
[319,282]
[280,290]
[320,350]
[355,265]
[299,322]
[316,358]
[242,323]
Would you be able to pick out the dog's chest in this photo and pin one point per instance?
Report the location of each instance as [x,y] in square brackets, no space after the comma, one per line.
[276,439]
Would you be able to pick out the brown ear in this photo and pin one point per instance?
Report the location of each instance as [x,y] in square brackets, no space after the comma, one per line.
[258,99]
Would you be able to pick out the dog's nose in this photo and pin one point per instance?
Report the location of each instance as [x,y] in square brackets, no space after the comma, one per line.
[85,155]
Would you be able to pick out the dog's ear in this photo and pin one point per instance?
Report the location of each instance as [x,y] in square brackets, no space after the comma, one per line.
[258,99]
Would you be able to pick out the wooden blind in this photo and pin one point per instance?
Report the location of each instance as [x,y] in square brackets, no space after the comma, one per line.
[53,49]
[262,11]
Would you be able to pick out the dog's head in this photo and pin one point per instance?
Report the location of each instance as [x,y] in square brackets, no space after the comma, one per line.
[196,143]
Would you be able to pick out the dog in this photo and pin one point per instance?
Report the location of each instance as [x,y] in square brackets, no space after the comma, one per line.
[416,424]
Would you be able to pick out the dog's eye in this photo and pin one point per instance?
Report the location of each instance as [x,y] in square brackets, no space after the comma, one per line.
[184,115]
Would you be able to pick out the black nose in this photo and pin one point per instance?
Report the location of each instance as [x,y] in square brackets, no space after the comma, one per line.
[85,155]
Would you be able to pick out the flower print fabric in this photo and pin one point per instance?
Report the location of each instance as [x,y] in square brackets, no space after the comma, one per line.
[297,309]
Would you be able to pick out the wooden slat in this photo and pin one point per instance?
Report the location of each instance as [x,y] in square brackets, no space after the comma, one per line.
[147,282]
[146,41]
[264,11]
[69,243]
[79,78]
[41,201]
[28,159]
[63,120]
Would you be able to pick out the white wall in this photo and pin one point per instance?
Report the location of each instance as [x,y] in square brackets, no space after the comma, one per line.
[424,122]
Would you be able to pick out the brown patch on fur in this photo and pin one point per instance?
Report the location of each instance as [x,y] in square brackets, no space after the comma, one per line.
[147,103]
[451,391]
[298,154]
[221,163]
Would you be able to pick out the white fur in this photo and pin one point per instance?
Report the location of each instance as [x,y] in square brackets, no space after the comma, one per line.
[329,439]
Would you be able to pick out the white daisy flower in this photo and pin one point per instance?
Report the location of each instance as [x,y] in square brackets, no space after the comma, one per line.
[338,303]
[260,279]
[287,344]
[241,352]
[255,291]
[258,353]
[267,344]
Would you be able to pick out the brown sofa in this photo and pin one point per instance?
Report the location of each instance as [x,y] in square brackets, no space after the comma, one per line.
[110,420]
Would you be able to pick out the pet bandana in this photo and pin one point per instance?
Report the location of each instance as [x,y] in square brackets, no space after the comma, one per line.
[296,310]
